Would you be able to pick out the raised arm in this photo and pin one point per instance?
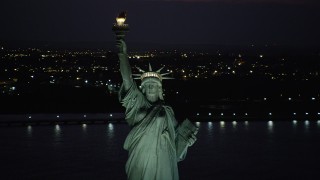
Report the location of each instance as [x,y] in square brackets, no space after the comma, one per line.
[125,67]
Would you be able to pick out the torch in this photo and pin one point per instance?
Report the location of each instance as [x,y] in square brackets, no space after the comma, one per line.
[120,28]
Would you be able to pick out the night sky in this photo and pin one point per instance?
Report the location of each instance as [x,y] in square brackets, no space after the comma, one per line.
[220,22]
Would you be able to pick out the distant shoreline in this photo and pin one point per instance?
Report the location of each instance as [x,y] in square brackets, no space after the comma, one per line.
[105,118]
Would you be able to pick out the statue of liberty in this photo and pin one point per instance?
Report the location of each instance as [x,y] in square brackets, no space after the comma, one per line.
[156,142]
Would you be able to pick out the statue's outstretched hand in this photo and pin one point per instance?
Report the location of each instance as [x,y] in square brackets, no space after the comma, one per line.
[122,46]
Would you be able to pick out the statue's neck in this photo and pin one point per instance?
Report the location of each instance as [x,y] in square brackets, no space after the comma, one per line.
[152,99]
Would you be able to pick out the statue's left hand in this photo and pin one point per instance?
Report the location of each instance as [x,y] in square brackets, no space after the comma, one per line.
[192,139]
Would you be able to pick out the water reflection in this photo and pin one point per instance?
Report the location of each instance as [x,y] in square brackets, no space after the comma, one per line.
[57,132]
[307,125]
[84,127]
[234,124]
[110,130]
[198,124]
[29,131]
[249,147]
[294,122]
[270,126]
[222,126]
[318,123]
[210,128]
[246,125]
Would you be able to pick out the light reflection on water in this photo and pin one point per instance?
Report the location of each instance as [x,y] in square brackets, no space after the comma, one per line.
[222,126]
[270,126]
[246,125]
[294,122]
[210,129]
[234,124]
[29,131]
[218,144]
[210,126]
[57,135]
[84,128]
[57,128]
[307,125]
[110,131]
[198,124]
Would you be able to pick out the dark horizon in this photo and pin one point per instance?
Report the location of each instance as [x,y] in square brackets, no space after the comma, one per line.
[149,46]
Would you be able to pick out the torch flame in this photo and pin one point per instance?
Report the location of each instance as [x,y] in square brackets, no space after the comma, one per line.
[120,21]
[121,18]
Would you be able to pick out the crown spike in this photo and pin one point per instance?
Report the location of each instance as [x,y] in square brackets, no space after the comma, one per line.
[158,71]
[151,74]
[164,74]
[140,69]
[167,78]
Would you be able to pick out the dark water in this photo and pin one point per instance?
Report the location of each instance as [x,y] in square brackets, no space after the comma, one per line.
[224,150]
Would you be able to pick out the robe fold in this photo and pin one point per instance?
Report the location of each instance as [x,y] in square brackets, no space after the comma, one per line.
[151,142]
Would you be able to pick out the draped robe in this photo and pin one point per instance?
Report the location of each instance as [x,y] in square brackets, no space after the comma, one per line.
[151,141]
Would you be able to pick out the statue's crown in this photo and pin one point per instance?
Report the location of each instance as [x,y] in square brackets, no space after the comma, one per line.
[151,74]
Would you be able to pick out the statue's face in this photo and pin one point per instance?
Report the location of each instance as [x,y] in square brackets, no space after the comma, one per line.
[151,91]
